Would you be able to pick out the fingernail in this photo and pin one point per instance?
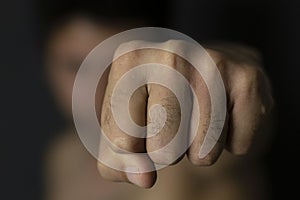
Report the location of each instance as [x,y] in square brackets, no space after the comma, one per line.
[133,175]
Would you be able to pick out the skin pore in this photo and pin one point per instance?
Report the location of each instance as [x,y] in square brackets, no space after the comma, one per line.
[71,172]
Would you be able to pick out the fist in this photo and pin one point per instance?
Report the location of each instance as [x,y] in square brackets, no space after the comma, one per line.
[137,150]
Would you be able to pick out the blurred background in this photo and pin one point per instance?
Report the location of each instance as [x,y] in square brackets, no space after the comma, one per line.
[29,116]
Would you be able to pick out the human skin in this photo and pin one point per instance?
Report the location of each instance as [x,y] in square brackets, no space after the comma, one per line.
[69,45]
[248,95]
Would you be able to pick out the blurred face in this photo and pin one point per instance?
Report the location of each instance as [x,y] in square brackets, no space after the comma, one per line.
[66,49]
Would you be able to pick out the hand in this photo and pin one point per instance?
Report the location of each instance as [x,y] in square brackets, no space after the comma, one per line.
[248,100]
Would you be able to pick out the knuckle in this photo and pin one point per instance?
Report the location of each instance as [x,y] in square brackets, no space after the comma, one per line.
[249,76]
[253,84]
[248,79]
[128,47]
[139,52]
[174,44]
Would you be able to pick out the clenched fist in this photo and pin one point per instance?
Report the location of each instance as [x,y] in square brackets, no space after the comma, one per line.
[155,106]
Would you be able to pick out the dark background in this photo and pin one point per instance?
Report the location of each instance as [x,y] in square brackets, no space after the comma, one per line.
[29,117]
